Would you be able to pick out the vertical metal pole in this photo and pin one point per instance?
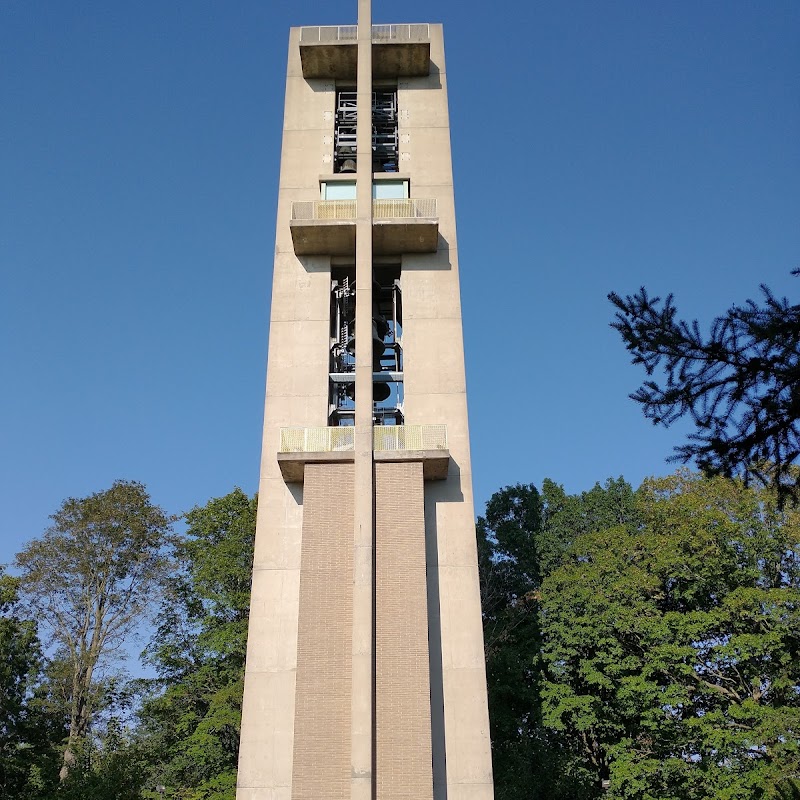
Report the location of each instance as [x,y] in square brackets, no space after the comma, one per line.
[363,662]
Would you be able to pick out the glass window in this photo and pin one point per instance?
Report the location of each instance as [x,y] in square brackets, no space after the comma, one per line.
[339,190]
[390,190]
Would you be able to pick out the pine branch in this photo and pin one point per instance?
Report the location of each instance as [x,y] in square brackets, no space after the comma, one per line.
[740,385]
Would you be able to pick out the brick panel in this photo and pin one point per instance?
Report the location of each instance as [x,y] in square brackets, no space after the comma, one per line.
[402,671]
[321,761]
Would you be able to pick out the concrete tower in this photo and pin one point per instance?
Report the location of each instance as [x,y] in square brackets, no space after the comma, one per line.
[365,668]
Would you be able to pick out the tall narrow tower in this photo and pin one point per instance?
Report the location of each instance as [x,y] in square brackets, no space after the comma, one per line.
[365,669]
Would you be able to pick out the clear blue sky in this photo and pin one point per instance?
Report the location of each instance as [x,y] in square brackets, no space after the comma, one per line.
[597,146]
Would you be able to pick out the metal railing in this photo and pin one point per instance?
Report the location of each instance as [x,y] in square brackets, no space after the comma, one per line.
[324,209]
[309,210]
[317,440]
[423,208]
[401,33]
[329,33]
[416,32]
[385,438]
[409,437]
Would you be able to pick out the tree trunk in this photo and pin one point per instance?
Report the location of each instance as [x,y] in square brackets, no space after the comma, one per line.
[79,718]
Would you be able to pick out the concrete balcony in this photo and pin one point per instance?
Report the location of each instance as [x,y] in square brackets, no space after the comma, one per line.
[404,226]
[328,227]
[393,443]
[330,51]
[324,227]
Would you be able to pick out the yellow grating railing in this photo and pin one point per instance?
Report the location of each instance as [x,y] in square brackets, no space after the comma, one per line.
[409,437]
[424,208]
[324,209]
[309,210]
[317,440]
[385,438]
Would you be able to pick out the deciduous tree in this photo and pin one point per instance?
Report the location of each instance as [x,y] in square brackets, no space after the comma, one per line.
[28,734]
[191,729]
[672,647]
[89,580]
[523,537]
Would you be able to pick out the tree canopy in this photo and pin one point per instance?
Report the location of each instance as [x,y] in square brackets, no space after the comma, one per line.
[111,555]
[671,649]
[89,579]
[643,645]
[27,733]
[740,385]
[190,728]
[523,537]
[640,645]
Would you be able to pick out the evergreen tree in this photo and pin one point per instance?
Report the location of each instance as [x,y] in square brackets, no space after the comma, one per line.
[740,386]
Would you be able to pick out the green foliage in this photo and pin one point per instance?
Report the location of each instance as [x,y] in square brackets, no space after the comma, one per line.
[190,731]
[89,579]
[568,517]
[28,734]
[108,767]
[509,573]
[524,536]
[788,789]
[648,639]
[671,648]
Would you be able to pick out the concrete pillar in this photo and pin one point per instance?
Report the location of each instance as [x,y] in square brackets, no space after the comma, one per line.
[362,720]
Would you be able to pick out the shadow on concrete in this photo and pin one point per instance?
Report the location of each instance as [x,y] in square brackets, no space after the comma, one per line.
[296,491]
[448,491]
[428,262]
[438,752]
[323,85]
[431,81]
[321,263]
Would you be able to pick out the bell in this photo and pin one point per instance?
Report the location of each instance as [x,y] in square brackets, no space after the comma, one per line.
[380,392]
[348,165]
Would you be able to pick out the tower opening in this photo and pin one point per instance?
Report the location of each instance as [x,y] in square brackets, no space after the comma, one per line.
[385,137]
[387,346]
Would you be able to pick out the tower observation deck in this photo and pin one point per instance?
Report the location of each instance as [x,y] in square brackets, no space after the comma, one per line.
[365,671]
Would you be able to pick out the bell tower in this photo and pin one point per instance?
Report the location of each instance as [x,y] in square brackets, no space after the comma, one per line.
[365,668]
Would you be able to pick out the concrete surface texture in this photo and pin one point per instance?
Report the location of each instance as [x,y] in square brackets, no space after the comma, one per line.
[365,669]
